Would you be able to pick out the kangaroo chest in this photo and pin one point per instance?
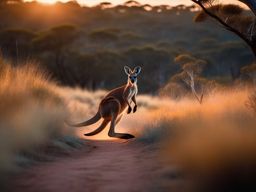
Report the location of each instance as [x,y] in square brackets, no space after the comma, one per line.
[131,91]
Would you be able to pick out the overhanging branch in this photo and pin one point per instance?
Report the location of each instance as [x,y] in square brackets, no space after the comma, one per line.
[228,27]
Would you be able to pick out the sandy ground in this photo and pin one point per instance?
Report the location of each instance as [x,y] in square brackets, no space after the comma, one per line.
[109,166]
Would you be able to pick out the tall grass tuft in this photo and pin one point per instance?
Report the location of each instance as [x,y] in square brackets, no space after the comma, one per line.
[213,145]
[31,117]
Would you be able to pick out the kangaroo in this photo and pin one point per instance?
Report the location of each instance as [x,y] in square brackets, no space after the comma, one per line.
[113,104]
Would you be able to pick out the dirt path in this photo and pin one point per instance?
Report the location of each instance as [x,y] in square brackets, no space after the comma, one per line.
[109,166]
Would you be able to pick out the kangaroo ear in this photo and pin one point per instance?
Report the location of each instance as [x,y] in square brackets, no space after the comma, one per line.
[137,70]
[127,70]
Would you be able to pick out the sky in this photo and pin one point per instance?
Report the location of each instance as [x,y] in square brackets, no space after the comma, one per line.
[115,2]
[152,2]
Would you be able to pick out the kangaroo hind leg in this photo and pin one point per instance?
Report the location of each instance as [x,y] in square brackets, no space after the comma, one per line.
[112,132]
[118,119]
[99,129]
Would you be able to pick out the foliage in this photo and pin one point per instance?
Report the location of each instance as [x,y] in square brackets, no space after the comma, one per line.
[248,74]
[188,79]
[56,41]
[92,51]
[56,38]
[232,17]
[252,101]
[103,35]
[16,42]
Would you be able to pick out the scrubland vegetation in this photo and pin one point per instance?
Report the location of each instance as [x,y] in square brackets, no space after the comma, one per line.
[212,145]
[96,42]
[196,103]
[31,118]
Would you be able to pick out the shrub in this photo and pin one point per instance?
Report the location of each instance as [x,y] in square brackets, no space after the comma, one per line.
[31,115]
[208,147]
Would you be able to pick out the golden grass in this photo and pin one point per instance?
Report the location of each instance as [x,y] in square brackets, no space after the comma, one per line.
[213,145]
[32,113]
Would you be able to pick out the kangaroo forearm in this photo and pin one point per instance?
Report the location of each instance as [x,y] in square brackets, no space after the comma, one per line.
[134,100]
[127,102]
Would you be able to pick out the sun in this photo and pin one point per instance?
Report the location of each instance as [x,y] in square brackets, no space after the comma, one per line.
[50,2]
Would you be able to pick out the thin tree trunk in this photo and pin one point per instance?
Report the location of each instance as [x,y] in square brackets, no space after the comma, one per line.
[254,51]
[59,67]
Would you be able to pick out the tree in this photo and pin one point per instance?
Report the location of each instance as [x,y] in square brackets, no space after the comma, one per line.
[192,68]
[16,43]
[131,3]
[105,5]
[57,41]
[147,7]
[4,2]
[104,35]
[232,17]
[155,62]
[189,79]
[248,74]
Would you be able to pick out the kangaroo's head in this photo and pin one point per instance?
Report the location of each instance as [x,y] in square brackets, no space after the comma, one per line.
[132,74]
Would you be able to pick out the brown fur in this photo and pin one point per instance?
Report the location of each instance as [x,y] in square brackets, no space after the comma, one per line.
[112,106]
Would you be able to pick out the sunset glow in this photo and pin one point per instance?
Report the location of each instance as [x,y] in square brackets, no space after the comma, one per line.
[115,2]
[50,2]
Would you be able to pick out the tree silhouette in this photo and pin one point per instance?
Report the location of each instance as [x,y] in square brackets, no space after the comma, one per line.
[4,2]
[16,43]
[104,35]
[248,74]
[189,79]
[131,3]
[104,5]
[192,68]
[147,7]
[57,41]
[232,17]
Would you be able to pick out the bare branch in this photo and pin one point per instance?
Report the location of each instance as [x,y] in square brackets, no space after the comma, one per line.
[251,30]
[187,81]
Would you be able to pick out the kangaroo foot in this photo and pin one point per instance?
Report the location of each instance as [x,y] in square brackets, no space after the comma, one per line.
[127,136]
[134,108]
[122,135]
[129,110]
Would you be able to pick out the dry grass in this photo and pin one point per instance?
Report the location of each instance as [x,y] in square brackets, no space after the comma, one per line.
[208,147]
[31,116]
[213,145]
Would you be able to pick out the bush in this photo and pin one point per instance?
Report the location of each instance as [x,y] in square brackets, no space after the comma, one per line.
[31,115]
[252,101]
[212,145]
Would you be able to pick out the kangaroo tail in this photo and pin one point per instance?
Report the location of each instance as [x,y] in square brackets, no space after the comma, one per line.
[91,121]
[99,129]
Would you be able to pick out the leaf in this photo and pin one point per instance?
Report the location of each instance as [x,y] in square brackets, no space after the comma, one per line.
[231,9]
